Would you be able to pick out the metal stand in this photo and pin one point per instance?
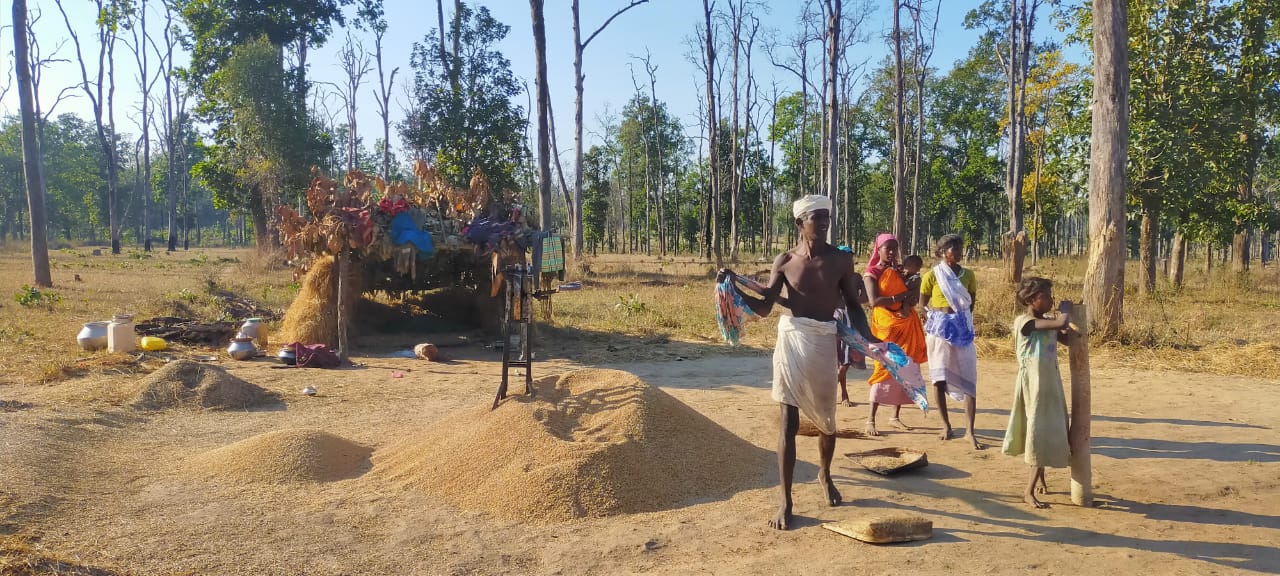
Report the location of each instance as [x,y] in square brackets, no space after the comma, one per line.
[517,316]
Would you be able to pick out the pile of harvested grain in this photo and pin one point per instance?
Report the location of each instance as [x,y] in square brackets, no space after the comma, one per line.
[591,443]
[312,318]
[808,428]
[299,455]
[192,384]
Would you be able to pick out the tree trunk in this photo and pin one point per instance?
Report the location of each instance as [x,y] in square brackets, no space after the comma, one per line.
[713,125]
[1149,242]
[32,163]
[832,160]
[544,142]
[578,80]
[440,20]
[899,133]
[659,179]
[1108,148]
[171,188]
[1178,260]
[735,174]
[261,233]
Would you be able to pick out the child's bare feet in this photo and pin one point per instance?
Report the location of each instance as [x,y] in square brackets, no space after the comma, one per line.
[946,434]
[871,428]
[1031,499]
[896,423]
[846,402]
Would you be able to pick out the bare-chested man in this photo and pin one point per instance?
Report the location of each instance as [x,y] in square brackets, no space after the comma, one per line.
[818,278]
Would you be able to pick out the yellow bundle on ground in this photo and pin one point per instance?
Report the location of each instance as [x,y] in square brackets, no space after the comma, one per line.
[312,318]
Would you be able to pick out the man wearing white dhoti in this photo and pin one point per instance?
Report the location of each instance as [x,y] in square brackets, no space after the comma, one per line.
[811,281]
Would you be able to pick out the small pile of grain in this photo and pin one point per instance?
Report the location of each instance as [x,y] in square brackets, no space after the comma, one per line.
[808,428]
[592,443]
[192,384]
[299,455]
[312,318]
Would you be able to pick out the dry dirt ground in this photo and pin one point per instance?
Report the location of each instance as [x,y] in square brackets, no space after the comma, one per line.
[1186,471]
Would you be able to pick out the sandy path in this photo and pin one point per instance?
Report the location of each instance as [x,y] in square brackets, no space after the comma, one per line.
[1187,468]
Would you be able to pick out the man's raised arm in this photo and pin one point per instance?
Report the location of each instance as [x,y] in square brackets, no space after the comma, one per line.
[772,293]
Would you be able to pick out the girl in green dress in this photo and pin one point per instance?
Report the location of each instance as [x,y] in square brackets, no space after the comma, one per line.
[1038,421]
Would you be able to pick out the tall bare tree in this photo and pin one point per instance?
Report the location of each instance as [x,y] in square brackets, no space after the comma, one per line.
[899,129]
[799,66]
[922,54]
[712,128]
[1022,14]
[580,46]
[385,84]
[543,104]
[1108,154]
[659,175]
[101,94]
[833,10]
[169,121]
[141,36]
[32,163]
[354,61]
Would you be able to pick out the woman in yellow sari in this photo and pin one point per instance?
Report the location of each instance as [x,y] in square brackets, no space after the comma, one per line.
[893,319]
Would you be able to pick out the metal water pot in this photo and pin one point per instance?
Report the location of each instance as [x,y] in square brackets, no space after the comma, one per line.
[93,336]
[242,348]
[256,329]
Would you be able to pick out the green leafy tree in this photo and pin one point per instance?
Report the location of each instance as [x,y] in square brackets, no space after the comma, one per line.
[464,117]
[263,142]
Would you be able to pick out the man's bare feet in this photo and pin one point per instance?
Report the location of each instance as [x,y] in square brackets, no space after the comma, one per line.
[972,438]
[870,429]
[833,496]
[1031,499]
[782,520]
[946,434]
[896,423]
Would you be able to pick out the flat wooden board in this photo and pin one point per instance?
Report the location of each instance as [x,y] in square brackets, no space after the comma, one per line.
[884,529]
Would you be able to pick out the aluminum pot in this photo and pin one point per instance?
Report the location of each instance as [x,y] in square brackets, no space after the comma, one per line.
[242,348]
[93,336]
[288,356]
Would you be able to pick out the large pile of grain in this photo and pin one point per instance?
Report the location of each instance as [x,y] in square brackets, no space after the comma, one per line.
[299,455]
[192,384]
[592,443]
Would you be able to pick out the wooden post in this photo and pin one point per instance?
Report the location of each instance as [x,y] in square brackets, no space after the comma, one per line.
[1078,434]
[341,261]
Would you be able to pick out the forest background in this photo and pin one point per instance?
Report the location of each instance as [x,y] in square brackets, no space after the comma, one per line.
[697,123]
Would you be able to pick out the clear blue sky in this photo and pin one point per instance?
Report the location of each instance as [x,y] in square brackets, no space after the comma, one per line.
[662,26]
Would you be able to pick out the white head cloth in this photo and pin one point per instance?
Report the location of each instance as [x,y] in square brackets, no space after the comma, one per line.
[810,203]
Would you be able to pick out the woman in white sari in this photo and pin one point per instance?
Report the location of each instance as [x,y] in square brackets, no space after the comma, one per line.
[947,293]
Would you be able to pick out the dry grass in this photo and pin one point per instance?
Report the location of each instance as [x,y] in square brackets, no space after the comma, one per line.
[630,308]
[38,343]
[19,557]
[1218,323]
